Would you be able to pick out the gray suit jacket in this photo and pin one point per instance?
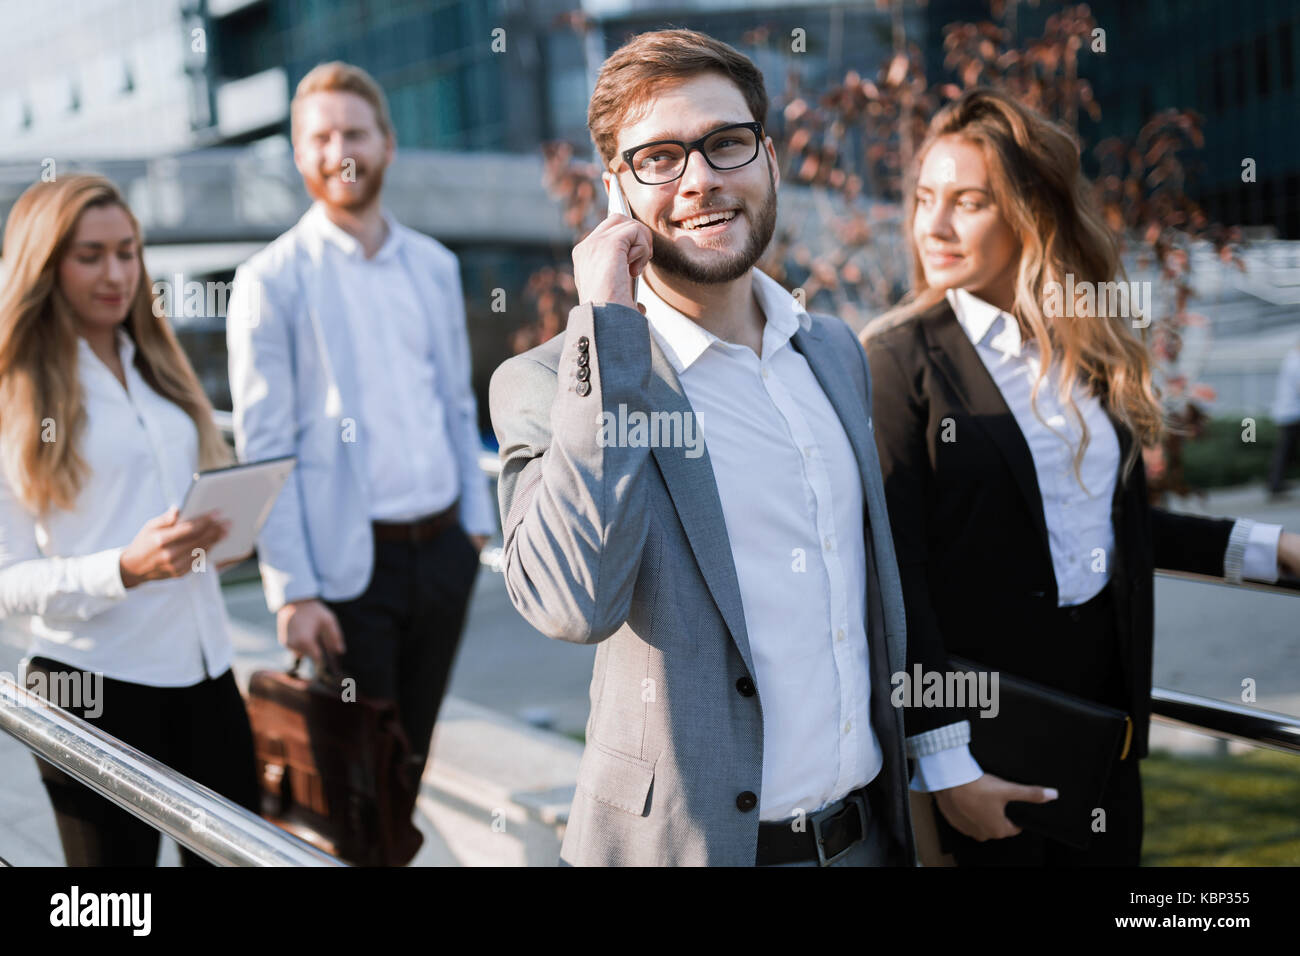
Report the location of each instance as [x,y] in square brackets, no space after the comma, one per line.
[296,392]
[627,547]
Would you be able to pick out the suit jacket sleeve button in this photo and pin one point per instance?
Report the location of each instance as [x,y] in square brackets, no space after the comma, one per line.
[746,686]
[583,341]
[583,389]
[583,358]
[746,801]
[584,373]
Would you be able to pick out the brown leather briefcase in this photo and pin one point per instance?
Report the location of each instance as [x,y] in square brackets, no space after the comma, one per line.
[335,772]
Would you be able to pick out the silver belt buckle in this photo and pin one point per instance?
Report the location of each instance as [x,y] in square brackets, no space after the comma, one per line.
[856,799]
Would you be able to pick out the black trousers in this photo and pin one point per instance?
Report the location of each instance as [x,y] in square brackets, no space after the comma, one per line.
[403,631]
[1087,637]
[1288,443]
[201,731]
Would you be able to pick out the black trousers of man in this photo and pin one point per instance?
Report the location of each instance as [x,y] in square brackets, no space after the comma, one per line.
[402,633]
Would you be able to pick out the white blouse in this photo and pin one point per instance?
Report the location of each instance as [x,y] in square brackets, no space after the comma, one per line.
[59,572]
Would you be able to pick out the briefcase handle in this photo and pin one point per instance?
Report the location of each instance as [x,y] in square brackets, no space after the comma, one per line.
[331,673]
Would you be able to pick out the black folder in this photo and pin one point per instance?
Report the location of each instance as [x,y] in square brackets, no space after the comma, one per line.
[1048,738]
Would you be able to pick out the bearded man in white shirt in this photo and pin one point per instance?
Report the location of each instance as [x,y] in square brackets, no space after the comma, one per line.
[348,349]
[745,600]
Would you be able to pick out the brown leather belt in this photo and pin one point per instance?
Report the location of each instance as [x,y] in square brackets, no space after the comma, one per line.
[417,531]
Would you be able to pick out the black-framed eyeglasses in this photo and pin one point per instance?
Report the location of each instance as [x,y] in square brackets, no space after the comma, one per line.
[664,160]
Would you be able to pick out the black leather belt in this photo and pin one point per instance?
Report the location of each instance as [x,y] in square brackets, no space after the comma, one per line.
[824,836]
[414,532]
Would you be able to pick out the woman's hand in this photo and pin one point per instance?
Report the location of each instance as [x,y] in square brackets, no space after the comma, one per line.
[979,808]
[1288,554]
[164,547]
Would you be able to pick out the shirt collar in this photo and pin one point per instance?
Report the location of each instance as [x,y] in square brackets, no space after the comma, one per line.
[980,320]
[349,244]
[125,348]
[683,340]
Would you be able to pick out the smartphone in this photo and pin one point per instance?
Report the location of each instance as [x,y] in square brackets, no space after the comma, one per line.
[618,204]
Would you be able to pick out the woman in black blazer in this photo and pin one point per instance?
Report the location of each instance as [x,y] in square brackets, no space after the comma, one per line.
[1016,492]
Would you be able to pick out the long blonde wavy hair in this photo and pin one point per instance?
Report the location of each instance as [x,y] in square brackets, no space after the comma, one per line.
[38,347]
[1034,174]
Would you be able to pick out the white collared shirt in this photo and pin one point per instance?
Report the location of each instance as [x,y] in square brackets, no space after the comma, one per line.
[792,501]
[1081,536]
[59,573]
[1076,508]
[410,464]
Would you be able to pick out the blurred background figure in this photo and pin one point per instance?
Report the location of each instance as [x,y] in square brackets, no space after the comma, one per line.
[1286,413]
[354,358]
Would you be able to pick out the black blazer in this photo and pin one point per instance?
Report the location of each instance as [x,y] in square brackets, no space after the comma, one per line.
[967,518]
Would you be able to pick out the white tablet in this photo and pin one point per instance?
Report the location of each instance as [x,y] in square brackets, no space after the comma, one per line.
[243,495]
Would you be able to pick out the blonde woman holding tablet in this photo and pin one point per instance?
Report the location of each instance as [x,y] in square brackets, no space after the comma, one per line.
[102,425]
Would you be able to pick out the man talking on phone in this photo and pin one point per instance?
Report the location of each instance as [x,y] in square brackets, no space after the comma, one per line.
[744,595]
[348,349]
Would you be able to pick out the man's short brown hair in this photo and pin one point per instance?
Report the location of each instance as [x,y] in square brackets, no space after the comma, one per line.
[639,68]
[339,77]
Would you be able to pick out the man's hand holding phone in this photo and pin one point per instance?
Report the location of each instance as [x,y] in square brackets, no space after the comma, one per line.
[606,263]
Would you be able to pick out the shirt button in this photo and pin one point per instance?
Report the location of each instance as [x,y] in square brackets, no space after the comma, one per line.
[839,635]
[746,801]
[828,544]
[807,451]
[848,725]
[766,372]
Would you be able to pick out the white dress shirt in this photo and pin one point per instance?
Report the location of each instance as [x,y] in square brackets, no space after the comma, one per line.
[409,463]
[59,573]
[1080,534]
[792,501]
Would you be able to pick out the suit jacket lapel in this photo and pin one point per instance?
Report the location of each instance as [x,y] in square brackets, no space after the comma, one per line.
[849,403]
[694,491]
[844,398]
[954,355]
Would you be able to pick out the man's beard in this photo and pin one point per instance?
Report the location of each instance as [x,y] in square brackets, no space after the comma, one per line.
[670,260]
[371,180]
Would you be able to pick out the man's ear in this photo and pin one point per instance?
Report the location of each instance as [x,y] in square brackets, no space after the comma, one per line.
[775,166]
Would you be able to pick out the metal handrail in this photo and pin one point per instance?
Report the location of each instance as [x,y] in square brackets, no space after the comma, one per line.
[199,819]
[1260,728]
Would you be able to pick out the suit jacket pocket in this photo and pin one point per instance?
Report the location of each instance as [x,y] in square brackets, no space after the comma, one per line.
[617,779]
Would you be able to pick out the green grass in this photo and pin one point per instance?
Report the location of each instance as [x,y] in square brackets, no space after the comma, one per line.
[1240,810]
[1220,459]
